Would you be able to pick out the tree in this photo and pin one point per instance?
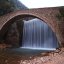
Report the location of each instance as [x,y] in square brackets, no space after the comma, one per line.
[6,7]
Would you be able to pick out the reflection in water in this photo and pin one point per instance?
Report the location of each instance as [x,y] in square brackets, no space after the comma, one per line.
[38,35]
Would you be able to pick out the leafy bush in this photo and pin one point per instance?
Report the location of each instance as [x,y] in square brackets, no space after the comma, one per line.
[61,15]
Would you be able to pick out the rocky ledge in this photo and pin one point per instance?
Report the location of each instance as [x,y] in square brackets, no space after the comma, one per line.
[56,57]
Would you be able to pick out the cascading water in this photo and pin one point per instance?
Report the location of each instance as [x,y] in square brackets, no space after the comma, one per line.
[38,35]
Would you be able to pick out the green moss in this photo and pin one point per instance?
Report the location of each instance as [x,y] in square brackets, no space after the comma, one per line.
[61,15]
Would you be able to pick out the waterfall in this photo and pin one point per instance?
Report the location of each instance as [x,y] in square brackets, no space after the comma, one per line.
[37,34]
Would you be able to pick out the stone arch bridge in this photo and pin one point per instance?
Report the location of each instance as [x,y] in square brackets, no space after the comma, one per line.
[48,15]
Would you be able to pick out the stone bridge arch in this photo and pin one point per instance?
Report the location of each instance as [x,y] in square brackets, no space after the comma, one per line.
[45,14]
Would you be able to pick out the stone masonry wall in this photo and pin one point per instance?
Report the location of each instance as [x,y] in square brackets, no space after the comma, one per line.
[48,15]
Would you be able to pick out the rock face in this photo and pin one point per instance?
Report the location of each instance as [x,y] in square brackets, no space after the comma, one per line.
[18,5]
[12,36]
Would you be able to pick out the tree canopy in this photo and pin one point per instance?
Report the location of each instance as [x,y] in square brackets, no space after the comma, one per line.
[6,7]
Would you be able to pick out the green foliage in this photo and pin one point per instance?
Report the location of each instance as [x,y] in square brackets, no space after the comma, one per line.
[6,6]
[61,10]
[61,15]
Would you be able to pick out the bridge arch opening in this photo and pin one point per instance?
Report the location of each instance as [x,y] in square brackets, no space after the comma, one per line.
[42,33]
